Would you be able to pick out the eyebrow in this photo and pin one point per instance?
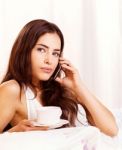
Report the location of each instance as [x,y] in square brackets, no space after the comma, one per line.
[48,47]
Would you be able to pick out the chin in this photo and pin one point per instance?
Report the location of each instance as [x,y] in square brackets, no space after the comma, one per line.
[45,78]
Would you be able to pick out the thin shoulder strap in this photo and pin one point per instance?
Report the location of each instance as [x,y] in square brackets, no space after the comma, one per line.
[30,100]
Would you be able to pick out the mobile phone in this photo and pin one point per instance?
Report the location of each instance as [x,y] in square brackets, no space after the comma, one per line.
[57,72]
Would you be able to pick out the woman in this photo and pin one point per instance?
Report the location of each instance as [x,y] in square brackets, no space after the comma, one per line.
[34,64]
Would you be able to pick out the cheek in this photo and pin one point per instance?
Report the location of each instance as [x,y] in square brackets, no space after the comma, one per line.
[56,63]
[36,59]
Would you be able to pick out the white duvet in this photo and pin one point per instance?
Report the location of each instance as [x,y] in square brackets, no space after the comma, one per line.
[77,138]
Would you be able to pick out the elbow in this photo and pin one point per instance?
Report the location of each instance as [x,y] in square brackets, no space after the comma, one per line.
[110,129]
[112,132]
[114,129]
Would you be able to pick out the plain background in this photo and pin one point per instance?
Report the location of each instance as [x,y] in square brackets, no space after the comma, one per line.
[93,38]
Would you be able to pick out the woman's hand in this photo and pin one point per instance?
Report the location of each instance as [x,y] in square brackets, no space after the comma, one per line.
[71,78]
[26,125]
[96,111]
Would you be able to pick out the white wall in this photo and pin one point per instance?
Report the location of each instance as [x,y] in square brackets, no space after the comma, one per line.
[93,38]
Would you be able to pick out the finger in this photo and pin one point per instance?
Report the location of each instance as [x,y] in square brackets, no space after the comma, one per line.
[66,67]
[35,128]
[68,63]
[28,123]
[62,59]
[26,128]
[65,61]
[42,128]
[69,69]
[59,80]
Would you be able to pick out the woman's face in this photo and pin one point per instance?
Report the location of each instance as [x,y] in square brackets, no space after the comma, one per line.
[45,56]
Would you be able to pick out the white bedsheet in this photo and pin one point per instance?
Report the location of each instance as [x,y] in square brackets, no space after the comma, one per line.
[78,138]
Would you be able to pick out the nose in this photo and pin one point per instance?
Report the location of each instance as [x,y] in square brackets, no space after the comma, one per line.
[48,58]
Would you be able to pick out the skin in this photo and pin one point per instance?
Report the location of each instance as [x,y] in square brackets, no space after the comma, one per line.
[100,116]
[46,54]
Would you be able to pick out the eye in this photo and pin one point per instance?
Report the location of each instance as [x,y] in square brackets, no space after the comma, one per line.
[56,54]
[42,50]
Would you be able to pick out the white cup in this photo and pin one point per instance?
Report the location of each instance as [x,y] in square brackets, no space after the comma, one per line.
[49,115]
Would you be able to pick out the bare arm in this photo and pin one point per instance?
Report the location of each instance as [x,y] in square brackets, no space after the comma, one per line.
[9,101]
[97,114]
[7,104]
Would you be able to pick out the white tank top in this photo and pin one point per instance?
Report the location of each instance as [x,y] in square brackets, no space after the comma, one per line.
[33,104]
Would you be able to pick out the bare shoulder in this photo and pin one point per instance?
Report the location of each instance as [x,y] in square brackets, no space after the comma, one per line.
[9,98]
[10,88]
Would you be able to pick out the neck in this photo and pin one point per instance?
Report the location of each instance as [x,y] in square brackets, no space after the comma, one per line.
[37,84]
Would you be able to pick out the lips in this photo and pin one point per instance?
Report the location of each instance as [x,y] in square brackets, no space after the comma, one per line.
[46,70]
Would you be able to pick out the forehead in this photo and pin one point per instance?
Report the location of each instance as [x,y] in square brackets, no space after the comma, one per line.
[51,40]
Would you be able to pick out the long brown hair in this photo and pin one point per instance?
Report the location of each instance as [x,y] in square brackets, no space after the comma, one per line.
[19,68]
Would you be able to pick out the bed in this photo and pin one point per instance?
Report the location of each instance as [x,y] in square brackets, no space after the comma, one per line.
[75,138]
